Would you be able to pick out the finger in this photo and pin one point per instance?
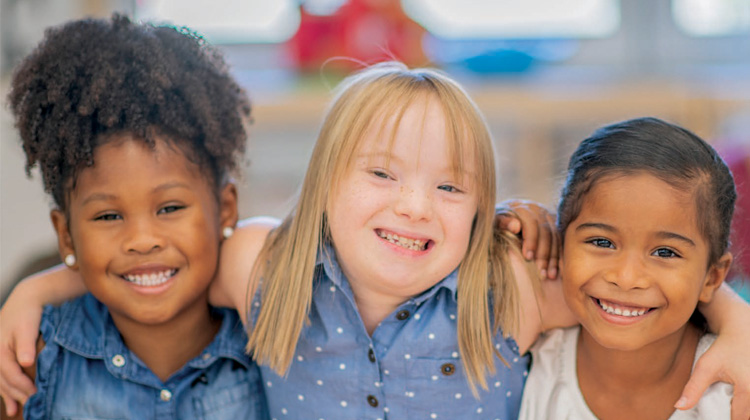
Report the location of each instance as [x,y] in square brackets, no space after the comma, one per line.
[529,233]
[11,407]
[13,381]
[554,254]
[702,377]
[509,222]
[25,345]
[544,247]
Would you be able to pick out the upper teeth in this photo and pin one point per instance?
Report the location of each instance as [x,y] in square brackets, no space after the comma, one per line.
[152,279]
[622,312]
[408,243]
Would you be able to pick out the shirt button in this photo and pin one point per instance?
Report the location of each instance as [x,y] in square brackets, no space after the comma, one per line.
[448,369]
[165,395]
[371,355]
[372,401]
[402,315]
[118,360]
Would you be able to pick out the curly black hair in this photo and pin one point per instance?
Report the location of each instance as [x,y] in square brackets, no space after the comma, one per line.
[91,78]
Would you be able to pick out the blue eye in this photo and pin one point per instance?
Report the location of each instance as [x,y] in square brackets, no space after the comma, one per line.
[170,209]
[448,188]
[108,217]
[380,174]
[665,253]
[601,243]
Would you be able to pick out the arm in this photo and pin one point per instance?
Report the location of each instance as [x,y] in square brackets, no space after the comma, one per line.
[541,308]
[238,254]
[6,412]
[19,327]
[727,359]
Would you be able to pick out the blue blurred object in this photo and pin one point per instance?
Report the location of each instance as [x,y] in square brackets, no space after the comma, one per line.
[497,56]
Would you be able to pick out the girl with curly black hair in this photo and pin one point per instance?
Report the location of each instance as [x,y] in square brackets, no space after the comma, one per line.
[136,129]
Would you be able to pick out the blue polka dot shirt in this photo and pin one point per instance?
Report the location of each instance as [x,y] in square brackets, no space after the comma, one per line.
[410,368]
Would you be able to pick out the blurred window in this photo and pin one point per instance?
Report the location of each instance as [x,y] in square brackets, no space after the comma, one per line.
[227,21]
[712,17]
[488,19]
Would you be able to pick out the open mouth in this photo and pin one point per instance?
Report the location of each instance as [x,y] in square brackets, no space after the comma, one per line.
[622,310]
[404,242]
[150,279]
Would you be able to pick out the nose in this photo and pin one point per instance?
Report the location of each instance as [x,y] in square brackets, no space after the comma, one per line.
[414,203]
[629,271]
[142,236]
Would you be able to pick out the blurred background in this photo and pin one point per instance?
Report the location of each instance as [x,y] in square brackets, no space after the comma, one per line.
[546,73]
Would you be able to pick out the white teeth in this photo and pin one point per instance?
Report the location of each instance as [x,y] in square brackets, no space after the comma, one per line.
[412,244]
[621,312]
[153,279]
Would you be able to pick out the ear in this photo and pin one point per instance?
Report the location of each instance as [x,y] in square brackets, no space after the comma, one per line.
[228,206]
[64,240]
[714,277]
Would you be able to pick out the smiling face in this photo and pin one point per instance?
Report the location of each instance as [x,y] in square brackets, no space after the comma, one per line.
[401,217]
[144,226]
[635,264]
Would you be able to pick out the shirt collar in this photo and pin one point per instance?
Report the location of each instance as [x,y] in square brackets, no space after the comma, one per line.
[87,329]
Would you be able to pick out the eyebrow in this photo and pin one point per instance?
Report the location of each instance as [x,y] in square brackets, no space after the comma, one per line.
[661,234]
[160,188]
[391,157]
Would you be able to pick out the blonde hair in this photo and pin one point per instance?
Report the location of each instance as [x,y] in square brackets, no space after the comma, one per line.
[287,261]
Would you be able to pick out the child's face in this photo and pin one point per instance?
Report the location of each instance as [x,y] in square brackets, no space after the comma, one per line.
[634,261]
[400,227]
[144,224]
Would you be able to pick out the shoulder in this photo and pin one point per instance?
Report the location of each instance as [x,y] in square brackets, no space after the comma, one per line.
[552,387]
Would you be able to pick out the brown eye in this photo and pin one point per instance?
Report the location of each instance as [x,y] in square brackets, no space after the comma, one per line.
[665,253]
[107,217]
[170,209]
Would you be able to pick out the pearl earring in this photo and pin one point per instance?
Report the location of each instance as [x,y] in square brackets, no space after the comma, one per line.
[70,260]
[227,232]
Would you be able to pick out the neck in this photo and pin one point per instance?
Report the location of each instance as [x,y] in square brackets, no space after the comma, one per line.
[641,383]
[373,309]
[168,346]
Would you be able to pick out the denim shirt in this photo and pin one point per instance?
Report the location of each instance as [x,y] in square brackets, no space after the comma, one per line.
[86,372]
[410,368]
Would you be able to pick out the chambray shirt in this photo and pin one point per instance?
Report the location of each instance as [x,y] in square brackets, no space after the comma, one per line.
[409,369]
[86,372]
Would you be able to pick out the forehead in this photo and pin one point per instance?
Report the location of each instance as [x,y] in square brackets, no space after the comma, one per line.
[418,128]
[122,160]
[641,202]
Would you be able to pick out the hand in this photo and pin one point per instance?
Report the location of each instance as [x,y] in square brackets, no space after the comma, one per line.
[727,359]
[536,226]
[19,329]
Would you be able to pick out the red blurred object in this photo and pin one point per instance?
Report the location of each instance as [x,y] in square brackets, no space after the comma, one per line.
[360,31]
[738,160]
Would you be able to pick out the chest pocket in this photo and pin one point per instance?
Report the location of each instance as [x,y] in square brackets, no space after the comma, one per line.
[439,386]
[236,392]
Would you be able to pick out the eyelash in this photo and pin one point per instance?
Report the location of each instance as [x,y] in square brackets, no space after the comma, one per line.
[597,242]
[449,188]
[673,254]
[172,208]
[108,217]
[380,174]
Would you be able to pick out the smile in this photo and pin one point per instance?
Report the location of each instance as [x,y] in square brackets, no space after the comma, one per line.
[403,242]
[150,279]
[621,310]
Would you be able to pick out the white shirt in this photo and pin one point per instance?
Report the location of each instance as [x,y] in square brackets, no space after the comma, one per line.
[552,391]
